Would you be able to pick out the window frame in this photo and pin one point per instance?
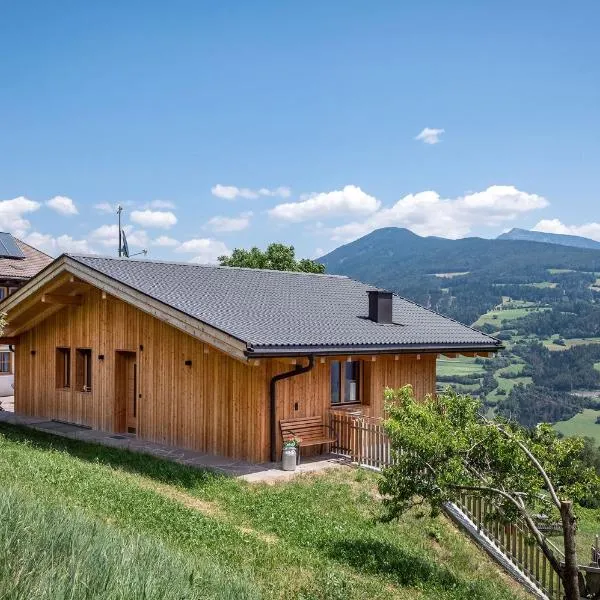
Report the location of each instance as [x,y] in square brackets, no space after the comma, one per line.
[8,363]
[342,381]
[63,353]
[83,370]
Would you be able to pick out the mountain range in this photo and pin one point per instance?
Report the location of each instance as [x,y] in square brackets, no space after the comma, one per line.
[541,297]
[549,238]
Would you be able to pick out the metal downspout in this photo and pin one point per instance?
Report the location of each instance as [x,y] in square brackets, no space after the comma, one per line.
[298,370]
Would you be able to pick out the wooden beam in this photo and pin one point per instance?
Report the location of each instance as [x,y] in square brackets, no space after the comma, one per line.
[62,299]
[9,341]
[450,354]
[483,354]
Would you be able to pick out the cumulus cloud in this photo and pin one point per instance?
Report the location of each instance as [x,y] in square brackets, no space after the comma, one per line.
[588,230]
[350,200]
[224,224]
[206,250]
[231,192]
[105,208]
[426,213]
[108,236]
[164,241]
[164,204]
[12,215]
[62,205]
[430,136]
[154,218]
[58,245]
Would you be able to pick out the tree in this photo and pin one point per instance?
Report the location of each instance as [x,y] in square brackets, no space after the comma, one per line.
[277,256]
[448,448]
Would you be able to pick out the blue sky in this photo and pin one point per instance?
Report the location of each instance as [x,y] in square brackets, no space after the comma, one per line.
[227,124]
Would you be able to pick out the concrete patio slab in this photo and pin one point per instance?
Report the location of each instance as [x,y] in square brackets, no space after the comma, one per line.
[253,473]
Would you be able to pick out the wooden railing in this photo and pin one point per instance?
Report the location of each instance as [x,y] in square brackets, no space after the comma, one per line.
[515,542]
[363,440]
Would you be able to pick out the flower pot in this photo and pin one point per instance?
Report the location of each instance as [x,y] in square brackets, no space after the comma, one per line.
[288,458]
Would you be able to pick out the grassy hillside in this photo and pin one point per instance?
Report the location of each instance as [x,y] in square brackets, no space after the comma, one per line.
[583,424]
[113,524]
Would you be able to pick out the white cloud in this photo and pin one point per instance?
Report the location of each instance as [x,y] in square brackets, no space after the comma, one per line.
[165,204]
[588,230]
[57,245]
[164,241]
[430,136]
[106,208]
[231,192]
[63,205]
[206,250]
[154,218]
[426,213]
[12,214]
[349,201]
[108,236]
[230,223]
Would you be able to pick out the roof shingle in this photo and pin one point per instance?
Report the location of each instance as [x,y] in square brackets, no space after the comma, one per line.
[275,311]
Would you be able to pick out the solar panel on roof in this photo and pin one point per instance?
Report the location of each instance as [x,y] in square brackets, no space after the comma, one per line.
[8,247]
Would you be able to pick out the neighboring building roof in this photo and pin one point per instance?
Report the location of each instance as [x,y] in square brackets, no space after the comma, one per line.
[279,312]
[26,267]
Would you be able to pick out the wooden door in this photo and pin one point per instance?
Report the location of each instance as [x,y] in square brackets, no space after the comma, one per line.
[126,393]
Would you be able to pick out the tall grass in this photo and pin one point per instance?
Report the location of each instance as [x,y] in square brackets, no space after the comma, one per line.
[52,554]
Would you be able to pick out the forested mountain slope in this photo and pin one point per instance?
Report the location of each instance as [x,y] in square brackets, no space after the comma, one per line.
[550,238]
[539,298]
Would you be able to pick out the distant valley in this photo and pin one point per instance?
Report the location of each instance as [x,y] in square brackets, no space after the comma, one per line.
[542,298]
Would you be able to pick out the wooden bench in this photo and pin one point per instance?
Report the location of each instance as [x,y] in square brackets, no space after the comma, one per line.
[310,430]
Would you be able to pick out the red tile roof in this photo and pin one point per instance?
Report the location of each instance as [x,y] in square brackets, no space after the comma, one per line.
[24,268]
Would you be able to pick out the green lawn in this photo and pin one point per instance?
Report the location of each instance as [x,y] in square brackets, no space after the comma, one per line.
[597,366]
[541,284]
[570,342]
[461,366]
[506,385]
[117,525]
[498,316]
[582,424]
[559,271]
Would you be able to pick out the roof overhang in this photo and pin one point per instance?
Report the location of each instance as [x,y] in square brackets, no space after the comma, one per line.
[65,270]
[290,352]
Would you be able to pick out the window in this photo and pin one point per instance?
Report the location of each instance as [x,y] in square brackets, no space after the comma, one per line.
[12,290]
[63,368]
[5,363]
[3,293]
[345,382]
[84,370]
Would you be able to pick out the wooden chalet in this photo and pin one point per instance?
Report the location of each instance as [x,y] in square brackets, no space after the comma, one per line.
[19,262]
[215,358]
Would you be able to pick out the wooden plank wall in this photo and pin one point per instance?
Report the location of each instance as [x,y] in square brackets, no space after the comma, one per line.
[311,391]
[218,404]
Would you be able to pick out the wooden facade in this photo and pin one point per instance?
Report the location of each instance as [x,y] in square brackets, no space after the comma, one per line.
[148,377]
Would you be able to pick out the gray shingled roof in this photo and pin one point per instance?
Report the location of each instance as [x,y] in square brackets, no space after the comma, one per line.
[275,311]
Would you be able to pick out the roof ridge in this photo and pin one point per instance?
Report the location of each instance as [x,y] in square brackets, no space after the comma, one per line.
[202,265]
[32,247]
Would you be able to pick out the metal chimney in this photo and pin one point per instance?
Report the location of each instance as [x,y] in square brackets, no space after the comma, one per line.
[380,306]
